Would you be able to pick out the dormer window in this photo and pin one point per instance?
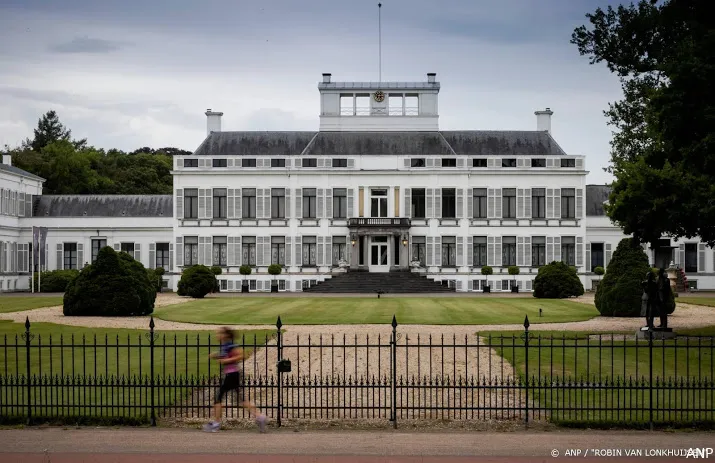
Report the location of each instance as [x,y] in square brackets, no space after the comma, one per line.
[417,162]
[508,162]
[310,162]
[568,162]
[449,162]
[219,163]
[538,162]
[479,162]
[248,163]
[340,162]
[191,163]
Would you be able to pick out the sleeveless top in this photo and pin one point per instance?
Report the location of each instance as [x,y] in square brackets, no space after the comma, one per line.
[225,351]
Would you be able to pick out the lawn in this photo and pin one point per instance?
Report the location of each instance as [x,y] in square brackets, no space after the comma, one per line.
[575,377]
[20,303]
[96,372]
[709,301]
[362,310]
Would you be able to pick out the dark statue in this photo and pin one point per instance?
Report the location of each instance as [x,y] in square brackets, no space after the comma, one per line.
[654,299]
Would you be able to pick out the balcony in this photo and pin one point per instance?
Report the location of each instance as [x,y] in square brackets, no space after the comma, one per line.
[399,222]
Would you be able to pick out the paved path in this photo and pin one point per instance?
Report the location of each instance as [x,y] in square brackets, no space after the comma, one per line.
[55,445]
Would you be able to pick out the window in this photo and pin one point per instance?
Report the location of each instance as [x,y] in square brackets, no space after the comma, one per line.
[340,250]
[479,203]
[219,204]
[479,251]
[340,162]
[128,248]
[249,203]
[412,105]
[417,162]
[224,285]
[508,162]
[248,250]
[449,251]
[220,251]
[191,250]
[418,203]
[309,203]
[505,285]
[419,250]
[191,163]
[597,259]
[568,162]
[310,162]
[449,162]
[278,203]
[162,256]
[191,203]
[538,251]
[278,250]
[378,203]
[449,203]
[249,162]
[691,257]
[97,244]
[309,248]
[509,203]
[568,203]
[540,162]
[278,162]
[538,203]
[508,246]
[281,285]
[220,163]
[70,256]
[340,203]
[479,162]
[568,250]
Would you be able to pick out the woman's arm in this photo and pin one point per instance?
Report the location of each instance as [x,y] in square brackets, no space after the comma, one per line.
[235,356]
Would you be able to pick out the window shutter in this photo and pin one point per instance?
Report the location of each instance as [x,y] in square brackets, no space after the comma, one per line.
[320,203]
[259,203]
[328,251]
[179,254]
[527,203]
[13,257]
[230,251]
[470,251]
[491,163]
[408,163]
[171,257]
[117,246]
[579,163]
[229,285]
[201,250]
[320,163]
[520,203]
[557,248]
[681,255]
[179,203]
[328,203]
[288,204]
[430,251]
[497,203]
[579,203]
[701,257]
[557,203]
[351,201]
[429,162]
[438,203]
[237,204]
[470,203]
[28,205]
[490,203]
[527,251]
[21,208]
[209,203]
[60,262]
[237,257]
[579,251]
[549,249]
[351,163]
[289,251]
[528,285]
[259,251]
[437,251]
[137,252]
[460,203]
[298,251]
[520,251]
[229,163]
[471,284]
[497,251]
[266,250]
[587,264]
[348,250]
[608,254]
[230,204]
[298,203]
[461,163]
[408,203]
[549,203]
[320,252]
[460,251]
[202,206]
[429,201]
[152,255]
[490,251]
[298,286]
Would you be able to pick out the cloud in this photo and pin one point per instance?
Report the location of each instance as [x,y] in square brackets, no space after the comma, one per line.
[87,45]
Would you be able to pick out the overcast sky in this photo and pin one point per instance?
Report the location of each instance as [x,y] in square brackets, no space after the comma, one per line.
[132,73]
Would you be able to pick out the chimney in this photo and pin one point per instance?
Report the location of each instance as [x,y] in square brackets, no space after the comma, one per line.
[326,77]
[213,121]
[543,120]
[431,76]
[7,159]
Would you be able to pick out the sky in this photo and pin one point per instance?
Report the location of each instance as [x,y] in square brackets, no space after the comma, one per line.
[128,74]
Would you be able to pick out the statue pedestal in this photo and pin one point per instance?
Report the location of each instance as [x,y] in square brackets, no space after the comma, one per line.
[658,333]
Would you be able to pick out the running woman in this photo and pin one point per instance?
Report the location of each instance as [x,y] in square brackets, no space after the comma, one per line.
[229,356]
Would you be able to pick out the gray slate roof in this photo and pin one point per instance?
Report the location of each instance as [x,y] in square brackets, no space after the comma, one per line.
[596,195]
[468,143]
[103,206]
[18,171]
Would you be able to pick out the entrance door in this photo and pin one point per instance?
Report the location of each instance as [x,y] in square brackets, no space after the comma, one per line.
[379,259]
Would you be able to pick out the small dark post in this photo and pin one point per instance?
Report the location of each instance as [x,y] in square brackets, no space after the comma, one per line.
[28,338]
[541,312]
[152,338]
[393,344]
[650,381]
[279,343]
[526,366]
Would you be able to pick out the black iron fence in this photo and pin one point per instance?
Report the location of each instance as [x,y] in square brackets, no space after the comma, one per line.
[391,375]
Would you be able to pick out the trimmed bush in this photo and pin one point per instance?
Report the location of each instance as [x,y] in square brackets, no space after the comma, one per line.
[275,269]
[619,293]
[599,270]
[154,275]
[197,281]
[116,285]
[55,281]
[557,281]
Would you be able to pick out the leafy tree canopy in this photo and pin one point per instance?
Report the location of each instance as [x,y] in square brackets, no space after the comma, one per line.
[663,146]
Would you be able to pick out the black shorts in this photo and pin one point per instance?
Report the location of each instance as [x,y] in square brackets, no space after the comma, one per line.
[231,382]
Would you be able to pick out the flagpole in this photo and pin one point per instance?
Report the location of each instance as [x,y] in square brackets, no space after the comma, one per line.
[379,40]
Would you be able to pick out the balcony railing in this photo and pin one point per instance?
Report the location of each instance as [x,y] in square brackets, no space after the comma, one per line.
[379,222]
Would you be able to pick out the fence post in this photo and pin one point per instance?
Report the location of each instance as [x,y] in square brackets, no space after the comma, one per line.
[152,338]
[650,377]
[28,337]
[526,366]
[393,389]
[279,343]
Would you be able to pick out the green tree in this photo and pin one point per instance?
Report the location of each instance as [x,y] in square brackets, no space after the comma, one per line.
[663,148]
[619,293]
[49,130]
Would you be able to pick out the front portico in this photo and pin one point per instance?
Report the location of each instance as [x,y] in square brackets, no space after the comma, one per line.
[379,244]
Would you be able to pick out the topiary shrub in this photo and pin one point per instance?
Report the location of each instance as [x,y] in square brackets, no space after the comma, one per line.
[116,285]
[196,281]
[619,293]
[486,271]
[274,269]
[557,281]
[55,281]
[599,270]
[513,271]
[245,270]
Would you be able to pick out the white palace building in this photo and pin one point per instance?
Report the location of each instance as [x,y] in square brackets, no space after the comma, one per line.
[379,187]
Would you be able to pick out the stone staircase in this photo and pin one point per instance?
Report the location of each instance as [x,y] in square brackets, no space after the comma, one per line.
[361,281]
